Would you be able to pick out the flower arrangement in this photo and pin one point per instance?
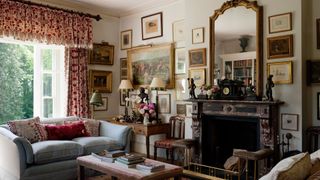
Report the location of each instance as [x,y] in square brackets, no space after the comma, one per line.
[142,107]
[211,91]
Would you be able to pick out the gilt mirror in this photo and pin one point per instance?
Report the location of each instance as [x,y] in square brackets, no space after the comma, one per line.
[236,50]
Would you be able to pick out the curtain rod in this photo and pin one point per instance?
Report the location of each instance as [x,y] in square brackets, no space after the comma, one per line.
[96,17]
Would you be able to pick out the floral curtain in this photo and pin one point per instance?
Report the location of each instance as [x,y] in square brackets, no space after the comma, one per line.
[76,70]
[35,23]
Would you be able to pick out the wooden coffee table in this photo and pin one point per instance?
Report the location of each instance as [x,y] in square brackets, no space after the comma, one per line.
[117,171]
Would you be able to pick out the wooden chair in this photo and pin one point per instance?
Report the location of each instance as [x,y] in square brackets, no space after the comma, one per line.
[176,133]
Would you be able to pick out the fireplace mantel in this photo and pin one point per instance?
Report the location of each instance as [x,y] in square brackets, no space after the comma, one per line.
[267,112]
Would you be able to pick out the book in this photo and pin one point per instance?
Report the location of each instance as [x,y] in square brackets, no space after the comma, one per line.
[136,161]
[150,167]
[130,157]
[125,165]
[113,154]
[103,158]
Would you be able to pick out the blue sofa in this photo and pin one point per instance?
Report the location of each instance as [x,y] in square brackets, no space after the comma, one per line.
[55,159]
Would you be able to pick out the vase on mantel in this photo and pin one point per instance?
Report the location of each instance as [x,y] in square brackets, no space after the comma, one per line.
[146,119]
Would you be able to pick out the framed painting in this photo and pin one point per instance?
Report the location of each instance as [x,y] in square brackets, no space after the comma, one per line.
[123,63]
[164,103]
[122,98]
[198,35]
[104,106]
[197,57]
[181,88]
[100,81]
[123,74]
[178,29]
[123,68]
[289,121]
[151,26]
[181,109]
[281,71]
[313,71]
[126,39]
[198,75]
[318,33]
[180,61]
[280,47]
[280,23]
[189,110]
[145,63]
[102,54]
[318,105]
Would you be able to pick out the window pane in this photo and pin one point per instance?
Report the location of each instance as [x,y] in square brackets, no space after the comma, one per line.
[46,57]
[47,85]
[47,108]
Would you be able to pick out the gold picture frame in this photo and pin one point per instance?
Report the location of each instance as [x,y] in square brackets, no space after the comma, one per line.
[281,71]
[197,57]
[151,26]
[280,46]
[102,53]
[145,63]
[198,75]
[126,39]
[280,22]
[100,81]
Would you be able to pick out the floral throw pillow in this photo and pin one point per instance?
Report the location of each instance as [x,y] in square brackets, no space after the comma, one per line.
[29,129]
[92,126]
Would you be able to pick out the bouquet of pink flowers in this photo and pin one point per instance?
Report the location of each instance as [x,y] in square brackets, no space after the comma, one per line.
[147,109]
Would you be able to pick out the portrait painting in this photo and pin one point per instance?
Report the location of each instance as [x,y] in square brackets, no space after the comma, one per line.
[102,54]
[280,47]
[151,26]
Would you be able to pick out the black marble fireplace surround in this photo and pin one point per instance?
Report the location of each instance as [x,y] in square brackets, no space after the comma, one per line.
[219,126]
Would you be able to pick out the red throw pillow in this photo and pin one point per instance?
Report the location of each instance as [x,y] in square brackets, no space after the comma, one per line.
[66,131]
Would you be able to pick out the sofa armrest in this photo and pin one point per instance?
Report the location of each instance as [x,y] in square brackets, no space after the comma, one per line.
[122,134]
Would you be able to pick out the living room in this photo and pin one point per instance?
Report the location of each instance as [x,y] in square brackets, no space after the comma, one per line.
[299,96]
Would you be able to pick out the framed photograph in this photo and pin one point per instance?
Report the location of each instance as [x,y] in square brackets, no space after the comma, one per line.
[280,47]
[126,39]
[151,26]
[281,71]
[197,57]
[122,98]
[198,35]
[123,63]
[124,74]
[164,103]
[280,22]
[289,121]
[181,109]
[313,71]
[148,62]
[181,88]
[318,33]
[178,29]
[100,81]
[180,60]
[189,110]
[104,106]
[318,105]
[102,54]
[198,75]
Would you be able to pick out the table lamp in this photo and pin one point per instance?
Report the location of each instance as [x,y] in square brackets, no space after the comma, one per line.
[96,99]
[126,86]
[158,85]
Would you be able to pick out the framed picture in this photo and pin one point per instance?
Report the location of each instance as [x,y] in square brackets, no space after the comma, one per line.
[198,35]
[181,87]
[123,63]
[198,75]
[124,74]
[100,81]
[280,22]
[123,68]
[126,39]
[178,29]
[102,54]
[180,60]
[104,106]
[189,110]
[197,57]
[164,103]
[151,26]
[280,47]
[318,105]
[313,71]
[281,71]
[289,121]
[318,33]
[148,62]
[122,98]
[181,109]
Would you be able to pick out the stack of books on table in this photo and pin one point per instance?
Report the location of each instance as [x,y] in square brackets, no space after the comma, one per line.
[150,166]
[129,160]
[108,156]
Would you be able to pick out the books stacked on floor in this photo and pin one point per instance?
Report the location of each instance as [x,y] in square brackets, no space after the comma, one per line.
[108,156]
[150,166]
[129,160]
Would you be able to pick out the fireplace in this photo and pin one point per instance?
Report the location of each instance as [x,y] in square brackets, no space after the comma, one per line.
[219,126]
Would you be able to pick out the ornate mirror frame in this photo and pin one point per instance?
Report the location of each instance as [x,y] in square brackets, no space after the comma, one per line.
[259,38]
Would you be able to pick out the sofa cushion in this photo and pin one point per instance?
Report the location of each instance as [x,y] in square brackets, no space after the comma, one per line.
[92,126]
[52,151]
[97,144]
[66,131]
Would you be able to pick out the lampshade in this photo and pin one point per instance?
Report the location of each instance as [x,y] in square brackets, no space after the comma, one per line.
[125,85]
[96,99]
[157,84]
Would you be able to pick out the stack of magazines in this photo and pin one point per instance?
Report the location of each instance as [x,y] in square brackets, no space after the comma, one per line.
[129,160]
[150,166]
[108,156]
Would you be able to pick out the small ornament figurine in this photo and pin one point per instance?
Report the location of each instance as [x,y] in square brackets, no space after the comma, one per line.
[143,95]
[192,87]
[269,87]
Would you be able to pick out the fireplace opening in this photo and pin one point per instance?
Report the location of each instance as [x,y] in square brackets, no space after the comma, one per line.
[222,134]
